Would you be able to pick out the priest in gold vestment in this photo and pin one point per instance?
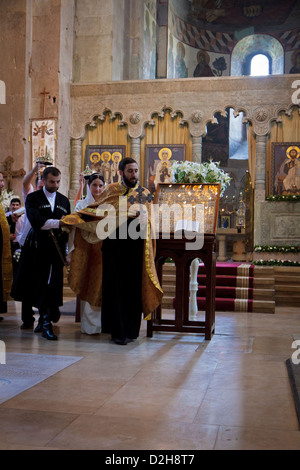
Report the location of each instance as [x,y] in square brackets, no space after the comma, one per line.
[6,270]
[112,265]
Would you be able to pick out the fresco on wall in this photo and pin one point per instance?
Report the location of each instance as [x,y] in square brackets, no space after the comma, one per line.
[293,62]
[149,62]
[204,69]
[181,70]
[190,62]
[170,72]
[238,14]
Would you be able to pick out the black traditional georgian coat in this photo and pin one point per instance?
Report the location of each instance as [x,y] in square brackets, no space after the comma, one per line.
[39,279]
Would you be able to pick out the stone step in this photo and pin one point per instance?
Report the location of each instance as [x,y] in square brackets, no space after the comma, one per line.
[280,279]
[169,276]
[290,270]
[267,294]
[263,271]
[169,268]
[259,306]
[168,289]
[287,285]
[264,306]
[167,302]
[263,281]
[258,294]
[288,300]
[292,289]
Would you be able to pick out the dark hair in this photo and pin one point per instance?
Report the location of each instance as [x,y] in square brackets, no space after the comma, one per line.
[95,176]
[50,170]
[15,199]
[126,161]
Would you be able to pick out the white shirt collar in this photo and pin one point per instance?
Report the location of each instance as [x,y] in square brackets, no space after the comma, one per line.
[50,198]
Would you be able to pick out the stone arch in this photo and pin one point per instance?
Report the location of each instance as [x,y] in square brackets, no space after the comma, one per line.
[255,44]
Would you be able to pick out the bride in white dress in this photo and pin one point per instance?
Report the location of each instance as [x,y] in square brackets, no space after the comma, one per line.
[90,316]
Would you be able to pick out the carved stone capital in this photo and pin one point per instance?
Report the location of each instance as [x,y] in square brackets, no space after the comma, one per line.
[197,117]
[135,117]
[261,114]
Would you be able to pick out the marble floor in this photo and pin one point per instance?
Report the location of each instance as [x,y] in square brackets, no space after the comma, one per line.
[169,392]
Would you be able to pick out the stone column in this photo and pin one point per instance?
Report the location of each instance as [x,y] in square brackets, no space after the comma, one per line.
[222,248]
[260,185]
[260,168]
[197,149]
[136,149]
[75,167]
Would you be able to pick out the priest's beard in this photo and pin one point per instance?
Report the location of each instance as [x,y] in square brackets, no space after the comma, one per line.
[130,183]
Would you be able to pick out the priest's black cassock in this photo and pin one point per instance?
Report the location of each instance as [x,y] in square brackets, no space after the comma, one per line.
[39,279]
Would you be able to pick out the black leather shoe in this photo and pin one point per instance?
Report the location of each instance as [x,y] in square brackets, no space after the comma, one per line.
[48,334]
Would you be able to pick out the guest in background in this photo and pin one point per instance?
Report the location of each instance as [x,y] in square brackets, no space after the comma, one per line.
[23,227]
[12,220]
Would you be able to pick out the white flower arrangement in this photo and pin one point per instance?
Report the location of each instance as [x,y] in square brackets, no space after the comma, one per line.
[192,172]
[5,198]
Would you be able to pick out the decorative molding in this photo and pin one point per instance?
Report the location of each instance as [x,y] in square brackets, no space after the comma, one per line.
[135,117]
[197,117]
[195,100]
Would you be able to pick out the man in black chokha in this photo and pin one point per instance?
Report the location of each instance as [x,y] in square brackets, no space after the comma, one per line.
[39,279]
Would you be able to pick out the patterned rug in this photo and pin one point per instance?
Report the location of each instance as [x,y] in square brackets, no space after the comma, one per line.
[234,287]
[19,372]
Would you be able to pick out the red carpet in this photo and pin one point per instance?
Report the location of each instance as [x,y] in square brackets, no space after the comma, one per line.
[234,287]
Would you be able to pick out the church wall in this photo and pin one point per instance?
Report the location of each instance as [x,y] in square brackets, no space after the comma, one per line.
[118,49]
[50,69]
[115,40]
[13,139]
[37,58]
[94,23]
[64,80]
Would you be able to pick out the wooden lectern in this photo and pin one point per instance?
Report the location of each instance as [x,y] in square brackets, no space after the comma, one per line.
[176,248]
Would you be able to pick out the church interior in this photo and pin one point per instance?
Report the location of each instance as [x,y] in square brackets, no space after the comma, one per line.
[208,81]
